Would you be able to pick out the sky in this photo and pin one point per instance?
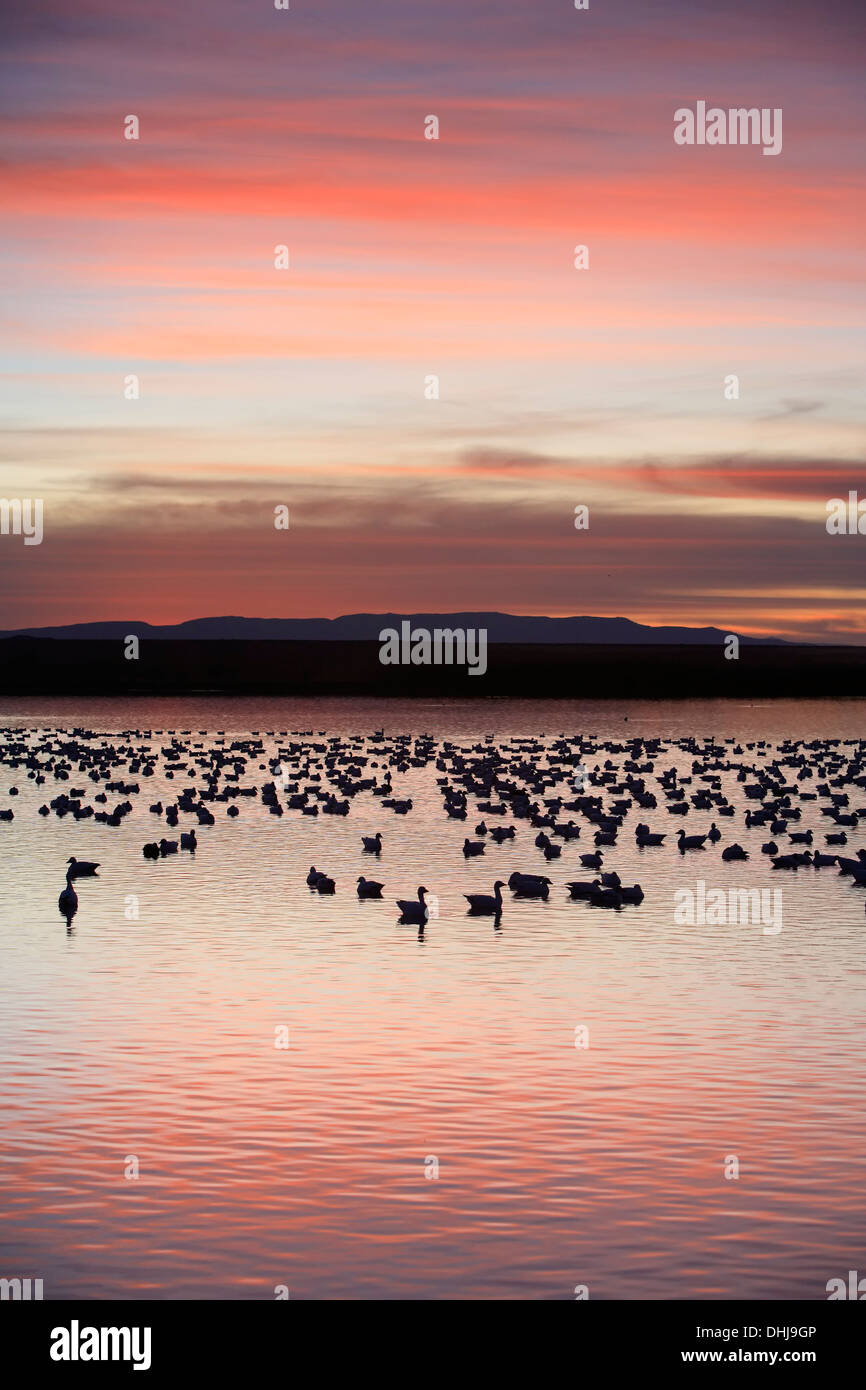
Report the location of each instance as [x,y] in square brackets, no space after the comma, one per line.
[412,258]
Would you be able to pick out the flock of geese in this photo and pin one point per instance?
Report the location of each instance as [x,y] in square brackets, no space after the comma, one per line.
[564,788]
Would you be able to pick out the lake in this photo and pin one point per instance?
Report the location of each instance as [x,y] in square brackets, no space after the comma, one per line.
[567,1098]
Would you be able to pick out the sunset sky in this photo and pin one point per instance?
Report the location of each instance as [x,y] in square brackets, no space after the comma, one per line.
[413,257]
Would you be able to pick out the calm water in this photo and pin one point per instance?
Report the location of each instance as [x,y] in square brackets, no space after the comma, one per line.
[155,1038]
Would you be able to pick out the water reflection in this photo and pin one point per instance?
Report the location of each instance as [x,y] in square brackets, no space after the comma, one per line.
[153,1036]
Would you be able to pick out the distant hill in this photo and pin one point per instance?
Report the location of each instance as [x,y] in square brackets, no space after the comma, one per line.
[365,627]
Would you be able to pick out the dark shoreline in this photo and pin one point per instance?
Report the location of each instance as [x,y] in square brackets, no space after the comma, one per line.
[50,666]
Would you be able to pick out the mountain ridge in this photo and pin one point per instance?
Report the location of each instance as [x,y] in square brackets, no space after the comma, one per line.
[507,628]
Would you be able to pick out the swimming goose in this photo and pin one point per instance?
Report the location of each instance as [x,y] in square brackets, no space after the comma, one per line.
[851,866]
[412,911]
[634,894]
[583,890]
[606,897]
[685,841]
[788,861]
[68,901]
[80,868]
[313,876]
[471,847]
[592,861]
[483,903]
[368,889]
[372,843]
[645,837]
[734,852]
[529,885]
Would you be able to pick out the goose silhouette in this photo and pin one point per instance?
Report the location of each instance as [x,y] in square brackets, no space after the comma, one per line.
[80,868]
[644,836]
[483,903]
[368,889]
[634,894]
[583,890]
[791,861]
[529,885]
[372,843]
[685,841]
[68,902]
[606,897]
[412,910]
